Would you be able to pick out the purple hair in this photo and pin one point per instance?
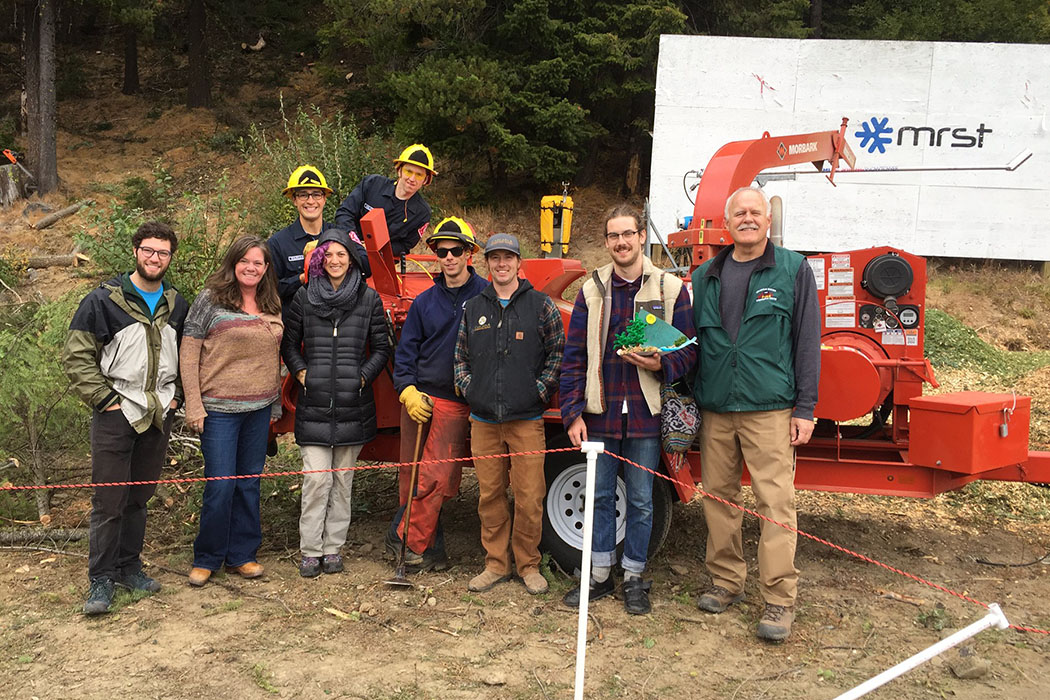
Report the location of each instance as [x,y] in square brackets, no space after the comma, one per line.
[316,266]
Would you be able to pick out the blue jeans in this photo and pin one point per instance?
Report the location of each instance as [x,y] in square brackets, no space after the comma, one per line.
[639,515]
[231,529]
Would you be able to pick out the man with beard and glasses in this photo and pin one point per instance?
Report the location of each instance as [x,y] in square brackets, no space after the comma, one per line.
[755,309]
[616,398]
[423,380]
[121,357]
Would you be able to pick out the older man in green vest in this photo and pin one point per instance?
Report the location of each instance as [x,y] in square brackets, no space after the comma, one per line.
[758,324]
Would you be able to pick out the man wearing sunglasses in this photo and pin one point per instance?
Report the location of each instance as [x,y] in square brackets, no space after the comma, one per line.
[423,379]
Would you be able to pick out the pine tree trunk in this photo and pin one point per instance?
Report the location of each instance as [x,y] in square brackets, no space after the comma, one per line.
[199,92]
[131,61]
[816,18]
[41,107]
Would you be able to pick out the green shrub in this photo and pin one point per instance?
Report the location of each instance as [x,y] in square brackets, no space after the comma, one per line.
[205,226]
[329,143]
[40,418]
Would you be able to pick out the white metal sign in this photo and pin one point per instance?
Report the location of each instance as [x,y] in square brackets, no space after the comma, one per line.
[945,108]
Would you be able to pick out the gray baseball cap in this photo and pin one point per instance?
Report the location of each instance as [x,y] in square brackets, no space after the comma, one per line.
[503,241]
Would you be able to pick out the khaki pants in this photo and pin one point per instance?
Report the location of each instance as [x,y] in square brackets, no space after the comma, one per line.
[761,439]
[524,474]
[325,515]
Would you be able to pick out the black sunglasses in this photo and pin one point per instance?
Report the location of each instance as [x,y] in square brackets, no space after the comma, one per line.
[457,251]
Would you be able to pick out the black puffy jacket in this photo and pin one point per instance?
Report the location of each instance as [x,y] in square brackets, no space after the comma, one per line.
[334,408]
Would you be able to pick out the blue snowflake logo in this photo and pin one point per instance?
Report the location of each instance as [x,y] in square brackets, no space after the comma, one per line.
[875,136]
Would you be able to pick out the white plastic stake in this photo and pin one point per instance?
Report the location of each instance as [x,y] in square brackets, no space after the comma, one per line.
[593,449]
[994,617]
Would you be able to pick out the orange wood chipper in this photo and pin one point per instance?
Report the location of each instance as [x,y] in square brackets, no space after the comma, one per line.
[876,433]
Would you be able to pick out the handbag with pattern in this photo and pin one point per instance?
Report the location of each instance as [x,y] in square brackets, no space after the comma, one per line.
[679,418]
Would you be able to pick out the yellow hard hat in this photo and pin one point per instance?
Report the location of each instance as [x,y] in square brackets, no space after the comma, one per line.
[306,176]
[454,228]
[417,154]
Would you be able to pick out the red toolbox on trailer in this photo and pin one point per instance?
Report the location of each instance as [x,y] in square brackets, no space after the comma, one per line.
[969,431]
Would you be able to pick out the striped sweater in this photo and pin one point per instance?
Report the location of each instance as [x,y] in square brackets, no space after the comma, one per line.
[229,359]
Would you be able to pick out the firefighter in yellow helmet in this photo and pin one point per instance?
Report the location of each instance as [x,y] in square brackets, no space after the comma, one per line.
[407,213]
[309,191]
[423,381]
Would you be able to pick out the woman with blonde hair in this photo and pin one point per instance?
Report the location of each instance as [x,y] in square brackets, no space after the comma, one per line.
[230,363]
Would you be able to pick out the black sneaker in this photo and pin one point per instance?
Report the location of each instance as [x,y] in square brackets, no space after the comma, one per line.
[332,563]
[100,596]
[636,596]
[309,567]
[139,581]
[598,590]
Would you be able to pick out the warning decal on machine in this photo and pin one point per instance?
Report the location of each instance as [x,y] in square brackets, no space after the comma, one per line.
[841,276]
[893,336]
[840,260]
[840,312]
[911,336]
[817,265]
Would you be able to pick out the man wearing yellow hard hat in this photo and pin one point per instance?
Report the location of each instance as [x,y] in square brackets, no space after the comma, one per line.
[423,380]
[407,213]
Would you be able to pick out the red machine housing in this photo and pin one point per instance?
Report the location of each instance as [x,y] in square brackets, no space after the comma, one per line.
[875,433]
[873,314]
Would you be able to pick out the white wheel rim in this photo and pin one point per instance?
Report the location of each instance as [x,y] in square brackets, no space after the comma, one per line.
[565,505]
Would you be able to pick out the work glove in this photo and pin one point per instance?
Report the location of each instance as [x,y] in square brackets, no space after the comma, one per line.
[417,403]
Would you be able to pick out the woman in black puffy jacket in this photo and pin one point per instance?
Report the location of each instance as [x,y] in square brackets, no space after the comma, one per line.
[336,344]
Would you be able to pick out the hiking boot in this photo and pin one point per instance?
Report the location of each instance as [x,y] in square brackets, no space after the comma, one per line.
[775,624]
[332,563]
[433,559]
[391,545]
[535,583]
[597,590]
[485,581]
[249,569]
[199,576]
[139,581]
[716,599]
[309,567]
[100,596]
[636,596]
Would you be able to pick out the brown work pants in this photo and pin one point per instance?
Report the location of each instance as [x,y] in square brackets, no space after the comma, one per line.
[761,439]
[524,475]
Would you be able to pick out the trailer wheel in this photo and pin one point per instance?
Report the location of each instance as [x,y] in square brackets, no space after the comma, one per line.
[563,510]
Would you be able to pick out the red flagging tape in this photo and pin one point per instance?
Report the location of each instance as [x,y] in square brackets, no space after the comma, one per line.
[705,494]
[826,543]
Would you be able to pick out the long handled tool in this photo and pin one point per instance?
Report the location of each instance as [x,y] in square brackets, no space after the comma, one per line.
[399,573]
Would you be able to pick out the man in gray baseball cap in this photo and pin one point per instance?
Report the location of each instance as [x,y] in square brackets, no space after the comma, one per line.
[502,241]
[511,336]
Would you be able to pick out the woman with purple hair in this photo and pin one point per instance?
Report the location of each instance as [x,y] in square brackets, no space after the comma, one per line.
[336,344]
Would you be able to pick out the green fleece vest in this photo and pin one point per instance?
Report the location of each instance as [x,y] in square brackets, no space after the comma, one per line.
[757,373]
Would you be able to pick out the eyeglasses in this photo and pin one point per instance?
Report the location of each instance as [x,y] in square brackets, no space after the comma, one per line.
[625,235]
[457,251]
[309,195]
[150,252]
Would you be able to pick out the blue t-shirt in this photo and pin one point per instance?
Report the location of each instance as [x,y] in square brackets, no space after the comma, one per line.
[151,298]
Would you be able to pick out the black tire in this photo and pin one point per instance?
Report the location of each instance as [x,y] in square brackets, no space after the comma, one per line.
[563,535]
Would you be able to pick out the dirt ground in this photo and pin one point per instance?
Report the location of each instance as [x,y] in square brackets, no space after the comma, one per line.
[350,636]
